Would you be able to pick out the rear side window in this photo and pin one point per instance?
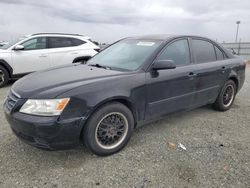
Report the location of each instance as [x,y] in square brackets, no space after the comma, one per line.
[177,51]
[203,51]
[219,53]
[61,42]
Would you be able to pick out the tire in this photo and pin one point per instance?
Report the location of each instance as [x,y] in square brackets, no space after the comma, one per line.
[225,100]
[101,136]
[4,76]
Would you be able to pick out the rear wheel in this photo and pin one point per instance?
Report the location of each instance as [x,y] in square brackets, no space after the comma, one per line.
[226,97]
[108,129]
[4,76]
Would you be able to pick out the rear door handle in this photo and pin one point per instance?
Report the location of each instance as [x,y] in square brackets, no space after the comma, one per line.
[191,74]
[223,68]
[43,55]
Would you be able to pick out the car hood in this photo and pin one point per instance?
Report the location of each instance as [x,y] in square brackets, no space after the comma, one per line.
[53,82]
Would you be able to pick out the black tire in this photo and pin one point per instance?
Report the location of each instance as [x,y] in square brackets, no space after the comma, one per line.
[4,76]
[96,132]
[221,104]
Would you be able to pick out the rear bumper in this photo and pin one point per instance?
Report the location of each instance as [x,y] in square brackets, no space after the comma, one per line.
[49,133]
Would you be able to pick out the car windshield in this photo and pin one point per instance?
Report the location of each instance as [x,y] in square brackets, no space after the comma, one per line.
[11,43]
[126,55]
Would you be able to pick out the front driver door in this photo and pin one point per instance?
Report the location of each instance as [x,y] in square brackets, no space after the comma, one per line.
[172,89]
[33,57]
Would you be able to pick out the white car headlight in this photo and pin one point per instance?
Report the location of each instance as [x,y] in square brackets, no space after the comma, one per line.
[44,107]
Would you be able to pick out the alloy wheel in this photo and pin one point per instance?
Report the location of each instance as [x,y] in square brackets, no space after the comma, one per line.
[111,130]
[1,77]
[228,95]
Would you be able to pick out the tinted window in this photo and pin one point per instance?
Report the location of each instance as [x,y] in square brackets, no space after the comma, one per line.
[178,52]
[77,42]
[60,42]
[35,44]
[203,51]
[219,53]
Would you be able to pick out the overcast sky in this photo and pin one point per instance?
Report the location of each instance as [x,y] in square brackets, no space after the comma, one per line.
[110,20]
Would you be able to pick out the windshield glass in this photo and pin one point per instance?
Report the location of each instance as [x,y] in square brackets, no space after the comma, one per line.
[127,55]
[11,43]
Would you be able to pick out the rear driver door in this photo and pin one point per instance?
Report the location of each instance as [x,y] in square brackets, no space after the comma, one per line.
[210,70]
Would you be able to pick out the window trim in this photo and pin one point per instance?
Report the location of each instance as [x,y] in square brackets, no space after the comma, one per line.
[168,44]
[46,45]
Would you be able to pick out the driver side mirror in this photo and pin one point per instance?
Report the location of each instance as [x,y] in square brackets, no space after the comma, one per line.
[19,47]
[164,64]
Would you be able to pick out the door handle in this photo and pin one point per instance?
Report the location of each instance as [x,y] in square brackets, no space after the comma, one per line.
[191,74]
[43,55]
[73,53]
[223,68]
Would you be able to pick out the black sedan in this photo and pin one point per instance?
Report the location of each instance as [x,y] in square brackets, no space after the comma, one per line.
[133,81]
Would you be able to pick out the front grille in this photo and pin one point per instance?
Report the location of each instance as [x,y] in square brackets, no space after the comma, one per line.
[11,100]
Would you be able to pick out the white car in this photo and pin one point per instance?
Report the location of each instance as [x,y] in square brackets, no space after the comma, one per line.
[41,51]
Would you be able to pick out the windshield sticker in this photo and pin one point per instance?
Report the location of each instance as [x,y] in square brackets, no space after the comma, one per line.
[145,43]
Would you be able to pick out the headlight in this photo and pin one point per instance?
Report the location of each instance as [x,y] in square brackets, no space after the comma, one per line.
[44,107]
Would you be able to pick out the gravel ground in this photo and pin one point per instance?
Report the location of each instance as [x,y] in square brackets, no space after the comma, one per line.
[217,155]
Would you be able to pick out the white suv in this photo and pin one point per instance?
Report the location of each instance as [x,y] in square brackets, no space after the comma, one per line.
[41,51]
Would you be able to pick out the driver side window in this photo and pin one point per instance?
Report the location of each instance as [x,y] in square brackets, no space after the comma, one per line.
[35,43]
[177,51]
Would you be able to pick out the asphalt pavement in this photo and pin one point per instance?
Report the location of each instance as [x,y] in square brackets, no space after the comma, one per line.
[199,148]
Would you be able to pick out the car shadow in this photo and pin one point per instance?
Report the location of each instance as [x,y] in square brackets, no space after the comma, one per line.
[77,157]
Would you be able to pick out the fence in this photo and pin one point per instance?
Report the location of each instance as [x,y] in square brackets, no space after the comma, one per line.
[241,49]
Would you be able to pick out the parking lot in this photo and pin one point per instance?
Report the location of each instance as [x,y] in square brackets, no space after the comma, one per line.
[217,154]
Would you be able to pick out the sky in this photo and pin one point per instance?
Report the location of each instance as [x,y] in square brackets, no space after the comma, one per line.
[111,20]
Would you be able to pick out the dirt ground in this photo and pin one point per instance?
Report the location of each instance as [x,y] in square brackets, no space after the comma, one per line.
[217,154]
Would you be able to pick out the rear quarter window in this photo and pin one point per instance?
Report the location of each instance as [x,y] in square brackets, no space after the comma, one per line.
[219,54]
[77,42]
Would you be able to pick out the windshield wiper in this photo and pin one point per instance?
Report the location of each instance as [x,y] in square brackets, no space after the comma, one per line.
[100,66]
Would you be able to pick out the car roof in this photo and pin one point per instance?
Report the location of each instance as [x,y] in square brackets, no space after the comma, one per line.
[162,37]
[166,37]
[59,34]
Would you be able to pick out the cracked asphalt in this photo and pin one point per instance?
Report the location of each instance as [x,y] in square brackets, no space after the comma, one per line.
[217,154]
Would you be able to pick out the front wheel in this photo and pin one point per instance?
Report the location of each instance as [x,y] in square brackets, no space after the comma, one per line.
[226,97]
[4,76]
[109,129]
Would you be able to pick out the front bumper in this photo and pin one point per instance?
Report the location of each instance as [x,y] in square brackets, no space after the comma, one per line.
[46,132]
